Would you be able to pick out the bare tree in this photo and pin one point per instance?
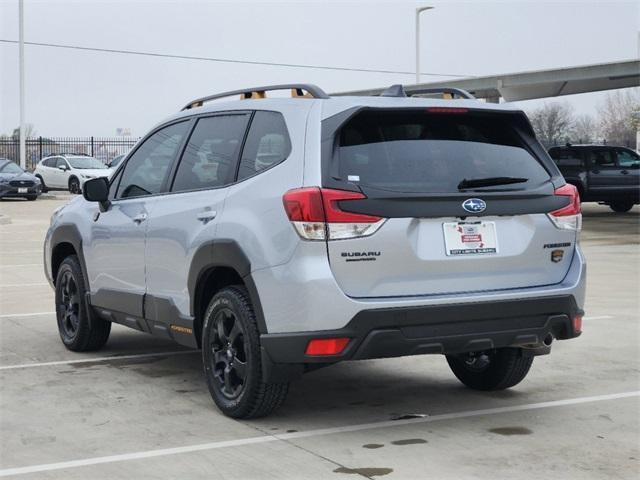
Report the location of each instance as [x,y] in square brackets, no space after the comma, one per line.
[29,131]
[616,117]
[585,129]
[553,123]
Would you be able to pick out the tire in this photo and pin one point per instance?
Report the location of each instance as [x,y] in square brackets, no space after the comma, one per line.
[44,187]
[621,206]
[79,330]
[74,185]
[31,197]
[494,370]
[232,360]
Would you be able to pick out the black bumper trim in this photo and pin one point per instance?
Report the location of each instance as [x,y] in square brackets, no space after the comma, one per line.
[442,329]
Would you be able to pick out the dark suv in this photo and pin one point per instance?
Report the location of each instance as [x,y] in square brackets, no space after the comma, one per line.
[602,173]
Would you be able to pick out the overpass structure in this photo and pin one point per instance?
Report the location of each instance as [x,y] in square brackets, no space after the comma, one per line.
[535,84]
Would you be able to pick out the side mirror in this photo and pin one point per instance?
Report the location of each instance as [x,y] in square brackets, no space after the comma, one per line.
[62,167]
[97,190]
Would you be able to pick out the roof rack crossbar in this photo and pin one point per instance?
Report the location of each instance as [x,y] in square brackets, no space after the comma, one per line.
[445,90]
[313,90]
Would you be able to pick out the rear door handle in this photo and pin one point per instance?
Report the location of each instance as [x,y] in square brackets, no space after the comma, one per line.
[141,217]
[206,216]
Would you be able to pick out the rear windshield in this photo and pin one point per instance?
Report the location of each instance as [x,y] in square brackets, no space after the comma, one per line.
[433,152]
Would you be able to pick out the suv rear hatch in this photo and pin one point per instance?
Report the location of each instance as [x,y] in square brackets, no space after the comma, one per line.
[459,201]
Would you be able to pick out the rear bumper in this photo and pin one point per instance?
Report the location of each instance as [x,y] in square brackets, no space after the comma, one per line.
[435,329]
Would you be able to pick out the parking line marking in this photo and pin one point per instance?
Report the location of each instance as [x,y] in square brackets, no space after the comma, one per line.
[23,265]
[8,285]
[32,314]
[97,359]
[47,467]
[598,317]
[24,252]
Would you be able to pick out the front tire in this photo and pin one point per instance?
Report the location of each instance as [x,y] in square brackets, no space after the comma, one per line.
[32,197]
[621,207]
[79,330]
[74,185]
[231,358]
[492,370]
[44,187]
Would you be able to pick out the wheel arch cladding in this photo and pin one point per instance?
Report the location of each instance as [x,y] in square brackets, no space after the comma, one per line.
[66,240]
[215,265]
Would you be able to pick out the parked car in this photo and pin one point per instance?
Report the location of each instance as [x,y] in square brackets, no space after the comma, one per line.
[286,234]
[601,173]
[69,171]
[15,182]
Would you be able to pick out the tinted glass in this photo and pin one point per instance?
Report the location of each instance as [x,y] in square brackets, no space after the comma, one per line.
[267,144]
[10,167]
[147,168]
[566,157]
[211,153]
[85,163]
[113,186]
[627,158]
[433,153]
[49,162]
[602,158]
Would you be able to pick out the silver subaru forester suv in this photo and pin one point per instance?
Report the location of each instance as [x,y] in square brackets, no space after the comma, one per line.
[280,235]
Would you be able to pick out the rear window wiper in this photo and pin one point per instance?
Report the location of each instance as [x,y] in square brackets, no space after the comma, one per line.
[489,182]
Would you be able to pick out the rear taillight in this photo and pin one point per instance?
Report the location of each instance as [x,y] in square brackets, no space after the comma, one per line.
[569,217]
[316,215]
[326,346]
[577,323]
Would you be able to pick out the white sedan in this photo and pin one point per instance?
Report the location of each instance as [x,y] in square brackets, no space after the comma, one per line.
[69,171]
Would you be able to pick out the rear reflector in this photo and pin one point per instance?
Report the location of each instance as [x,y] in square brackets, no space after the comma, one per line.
[316,214]
[326,346]
[577,323]
[570,216]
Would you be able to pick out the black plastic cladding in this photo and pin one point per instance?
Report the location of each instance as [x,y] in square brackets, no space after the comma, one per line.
[402,205]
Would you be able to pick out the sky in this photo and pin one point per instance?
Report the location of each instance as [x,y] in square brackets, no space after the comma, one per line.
[83,93]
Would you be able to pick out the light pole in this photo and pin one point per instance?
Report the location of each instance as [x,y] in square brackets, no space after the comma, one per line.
[23,145]
[419,10]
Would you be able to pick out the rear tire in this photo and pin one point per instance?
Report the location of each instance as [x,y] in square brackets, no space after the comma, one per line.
[621,206]
[232,358]
[493,370]
[79,330]
[31,197]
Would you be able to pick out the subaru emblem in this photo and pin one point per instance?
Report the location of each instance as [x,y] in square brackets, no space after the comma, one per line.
[474,205]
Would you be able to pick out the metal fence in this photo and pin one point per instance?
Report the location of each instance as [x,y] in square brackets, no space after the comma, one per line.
[103,148]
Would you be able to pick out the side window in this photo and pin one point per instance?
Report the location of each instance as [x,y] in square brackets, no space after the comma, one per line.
[628,159]
[61,162]
[566,157]
[113,186]
[147,168]
[602,158]
[49,162]
[211,153]
[267,144]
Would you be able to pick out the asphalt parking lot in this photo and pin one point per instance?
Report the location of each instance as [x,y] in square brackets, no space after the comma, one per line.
[140,407]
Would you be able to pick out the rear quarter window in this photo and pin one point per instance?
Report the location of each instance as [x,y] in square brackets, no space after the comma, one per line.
[433,152]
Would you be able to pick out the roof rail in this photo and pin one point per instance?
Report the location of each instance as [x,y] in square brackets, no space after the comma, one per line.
[444,90]
[298,90]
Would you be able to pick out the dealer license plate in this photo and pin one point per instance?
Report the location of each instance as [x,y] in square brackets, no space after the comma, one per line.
[470,238]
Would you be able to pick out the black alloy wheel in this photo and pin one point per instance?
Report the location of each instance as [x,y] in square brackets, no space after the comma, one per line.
[74,185]
[228,347]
